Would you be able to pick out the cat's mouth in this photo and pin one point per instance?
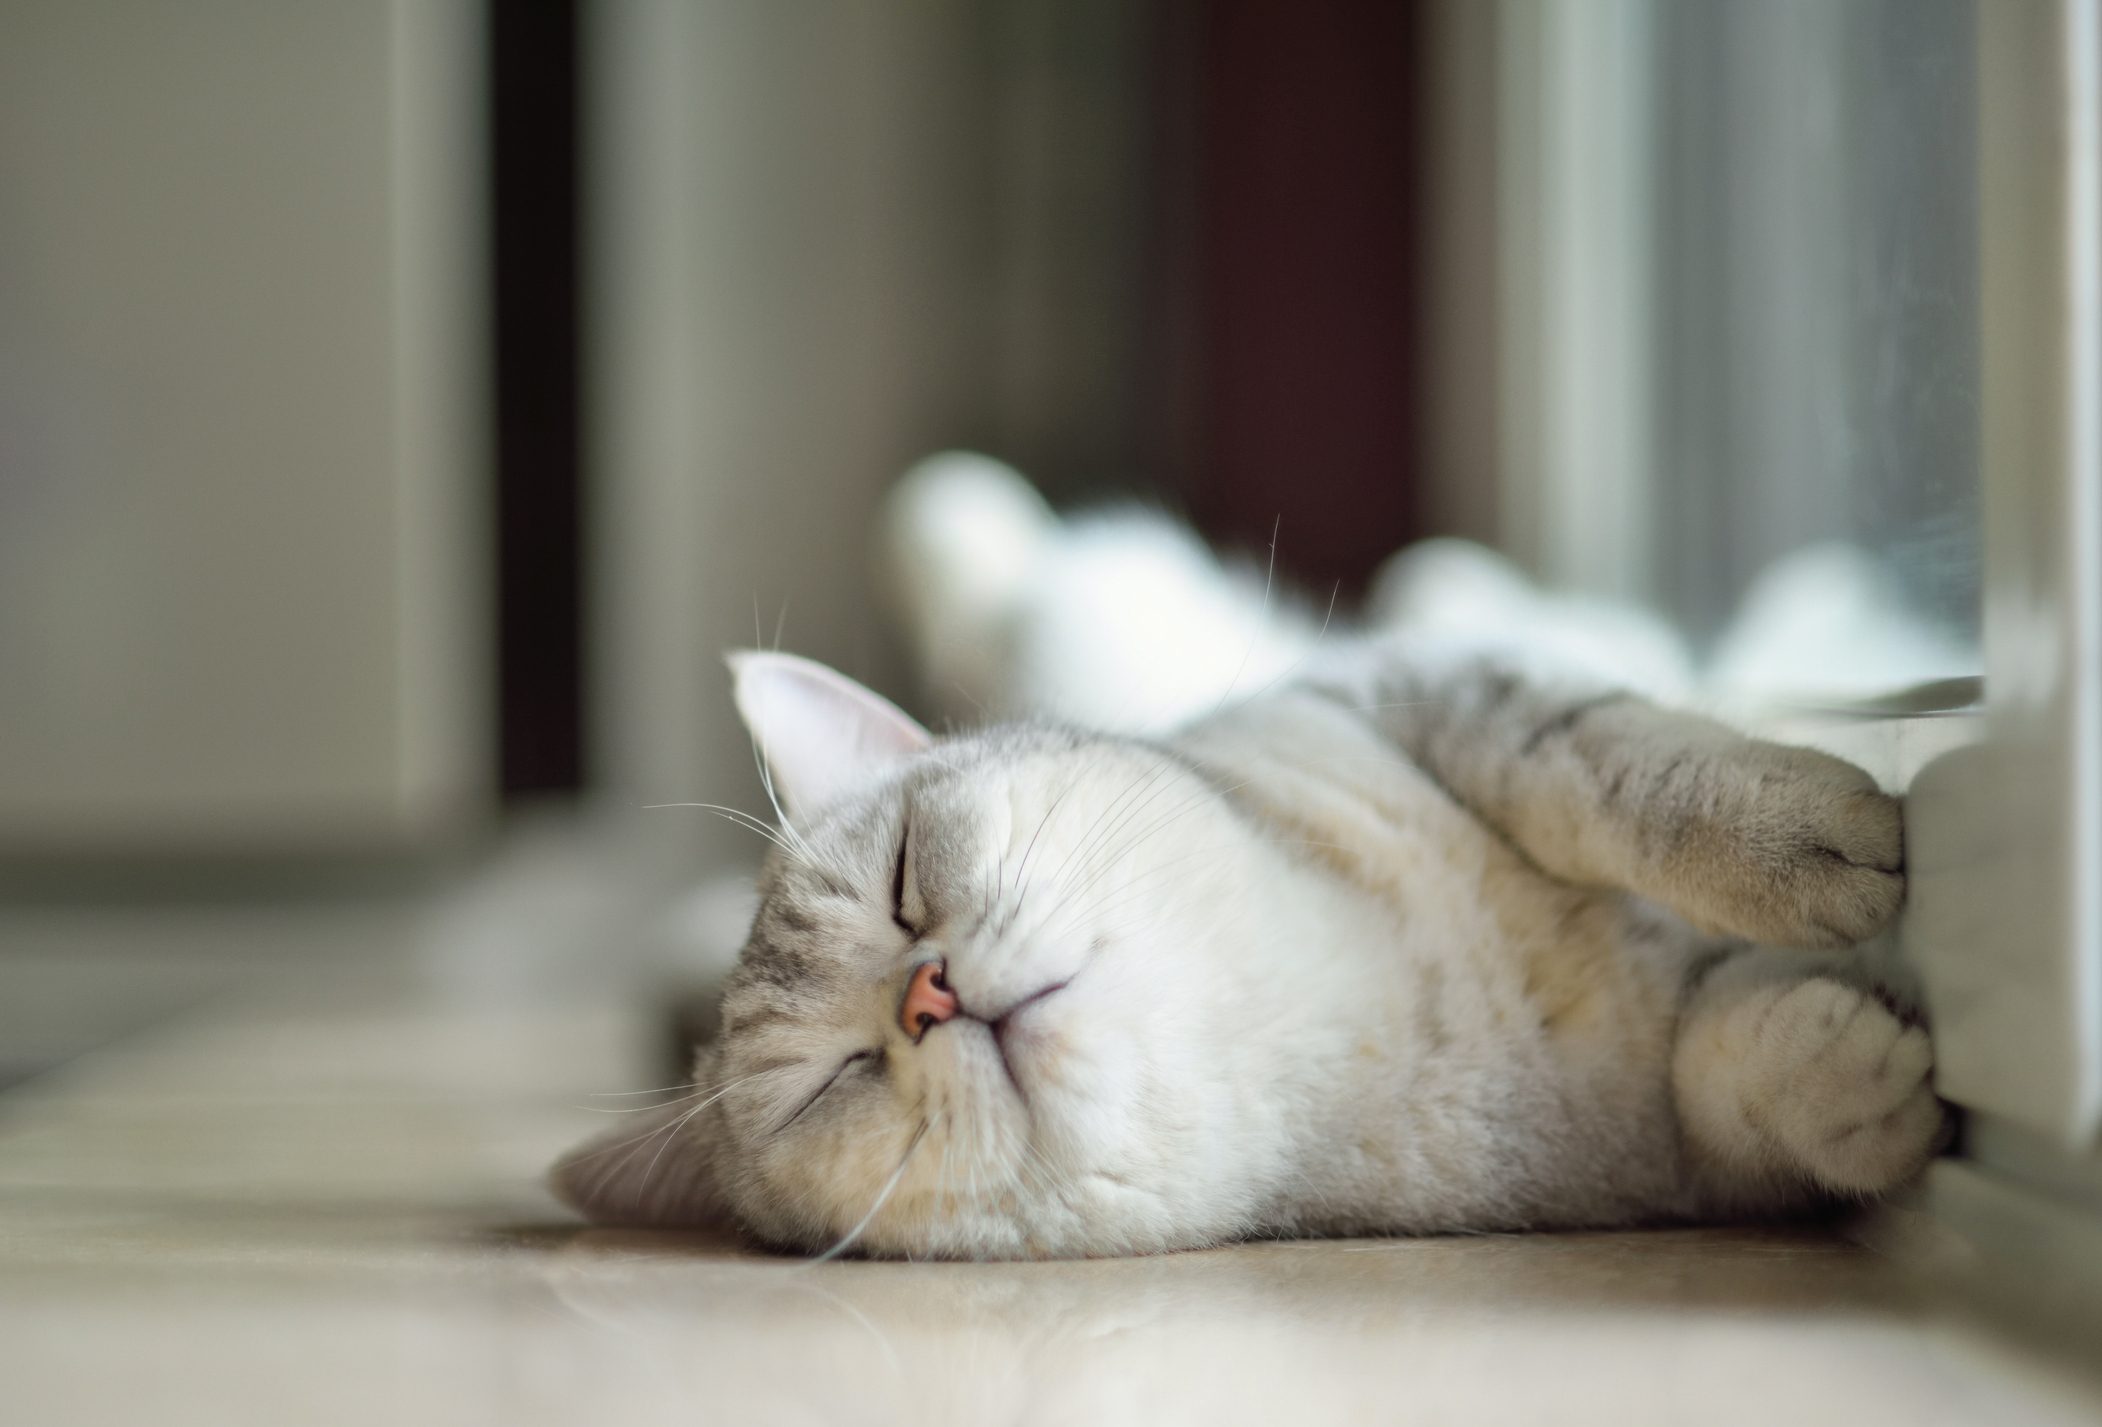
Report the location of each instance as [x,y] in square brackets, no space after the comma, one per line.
[1006,1031]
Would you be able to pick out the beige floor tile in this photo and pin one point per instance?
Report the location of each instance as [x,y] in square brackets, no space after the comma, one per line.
[317,1200]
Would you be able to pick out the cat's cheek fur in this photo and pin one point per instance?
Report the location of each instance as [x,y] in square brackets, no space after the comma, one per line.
[655,1168]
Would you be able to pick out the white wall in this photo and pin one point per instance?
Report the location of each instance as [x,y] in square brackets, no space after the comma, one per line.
[239,268]
[828,238]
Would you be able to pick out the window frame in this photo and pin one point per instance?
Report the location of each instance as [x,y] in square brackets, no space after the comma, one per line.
[2004,921]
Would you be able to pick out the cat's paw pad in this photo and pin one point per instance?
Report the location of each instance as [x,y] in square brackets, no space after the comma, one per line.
[1800,849]
[1845,1092]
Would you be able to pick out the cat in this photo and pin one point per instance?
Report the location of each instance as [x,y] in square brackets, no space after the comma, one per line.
[1420,939]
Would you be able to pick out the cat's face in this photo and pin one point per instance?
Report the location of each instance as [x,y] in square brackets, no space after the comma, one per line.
[982,1012]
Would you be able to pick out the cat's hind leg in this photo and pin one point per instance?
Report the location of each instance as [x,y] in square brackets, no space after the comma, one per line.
[1122,620]
[1791,1088]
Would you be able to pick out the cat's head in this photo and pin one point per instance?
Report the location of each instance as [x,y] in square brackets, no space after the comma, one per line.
[988,1007]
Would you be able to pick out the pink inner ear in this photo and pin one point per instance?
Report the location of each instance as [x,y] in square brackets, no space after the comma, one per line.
[822,734]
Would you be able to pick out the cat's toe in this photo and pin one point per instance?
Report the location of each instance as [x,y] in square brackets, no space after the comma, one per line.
[1816,851]
[1851,856]
[1856,1109]
[1877,1153]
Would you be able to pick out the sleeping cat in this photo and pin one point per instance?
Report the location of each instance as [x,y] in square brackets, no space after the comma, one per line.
[1420,940]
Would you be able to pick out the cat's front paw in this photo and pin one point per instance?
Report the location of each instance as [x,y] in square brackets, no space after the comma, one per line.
[1841,1086]
[1796,848]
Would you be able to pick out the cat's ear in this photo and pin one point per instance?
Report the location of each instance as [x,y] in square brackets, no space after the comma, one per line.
[659,1173]
[822,734]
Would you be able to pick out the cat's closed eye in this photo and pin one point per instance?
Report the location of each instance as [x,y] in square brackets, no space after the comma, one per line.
[859,1057]
[897,886]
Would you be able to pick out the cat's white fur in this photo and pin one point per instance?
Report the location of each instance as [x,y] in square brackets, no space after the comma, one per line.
[1119,620]
[1384,950]
[1412,932]
[1122,620]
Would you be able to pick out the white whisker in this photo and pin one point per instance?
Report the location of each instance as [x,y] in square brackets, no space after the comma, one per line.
[681,1123]
[889,1186]
[742,818]
[626,1094]
[1269,580]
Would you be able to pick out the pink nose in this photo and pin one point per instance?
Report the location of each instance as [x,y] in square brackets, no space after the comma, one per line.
[928,1000]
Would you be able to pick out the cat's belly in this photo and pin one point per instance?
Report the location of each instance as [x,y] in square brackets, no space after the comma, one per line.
[1463,1102]
[1508,1062]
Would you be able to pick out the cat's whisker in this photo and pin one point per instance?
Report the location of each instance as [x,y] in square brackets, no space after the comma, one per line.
[983,711]
[673,1126]
[1154,829]
[1103,846]
[738,816]
[941,1173]
[621,1110]
[977,1154]
[681,1123]
[1180,810]
[626,1094]
[1023,876]
[1044,1175]
[1075,898]
[1322,633]
[1269,580]
[1114,897]
[789,839]
[1089,839]
[788,829]
[603,1172]
[1022,870]
[889,1187]
[1312,649]
[696,1092]
[1365,758]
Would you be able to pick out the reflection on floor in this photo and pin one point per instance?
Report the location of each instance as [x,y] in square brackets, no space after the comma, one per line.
[315,1199]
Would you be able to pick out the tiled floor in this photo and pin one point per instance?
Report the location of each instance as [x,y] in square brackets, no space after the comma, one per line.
[314,1198]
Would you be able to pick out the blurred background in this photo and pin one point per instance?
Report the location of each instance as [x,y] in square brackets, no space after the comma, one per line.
[403,404]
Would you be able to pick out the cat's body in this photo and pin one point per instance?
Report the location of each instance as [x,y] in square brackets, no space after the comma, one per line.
[1417,941]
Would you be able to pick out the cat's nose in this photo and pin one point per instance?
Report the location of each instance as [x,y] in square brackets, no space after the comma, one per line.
[928,1000]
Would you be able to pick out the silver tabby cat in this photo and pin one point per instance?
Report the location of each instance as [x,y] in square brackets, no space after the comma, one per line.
[1421,941]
